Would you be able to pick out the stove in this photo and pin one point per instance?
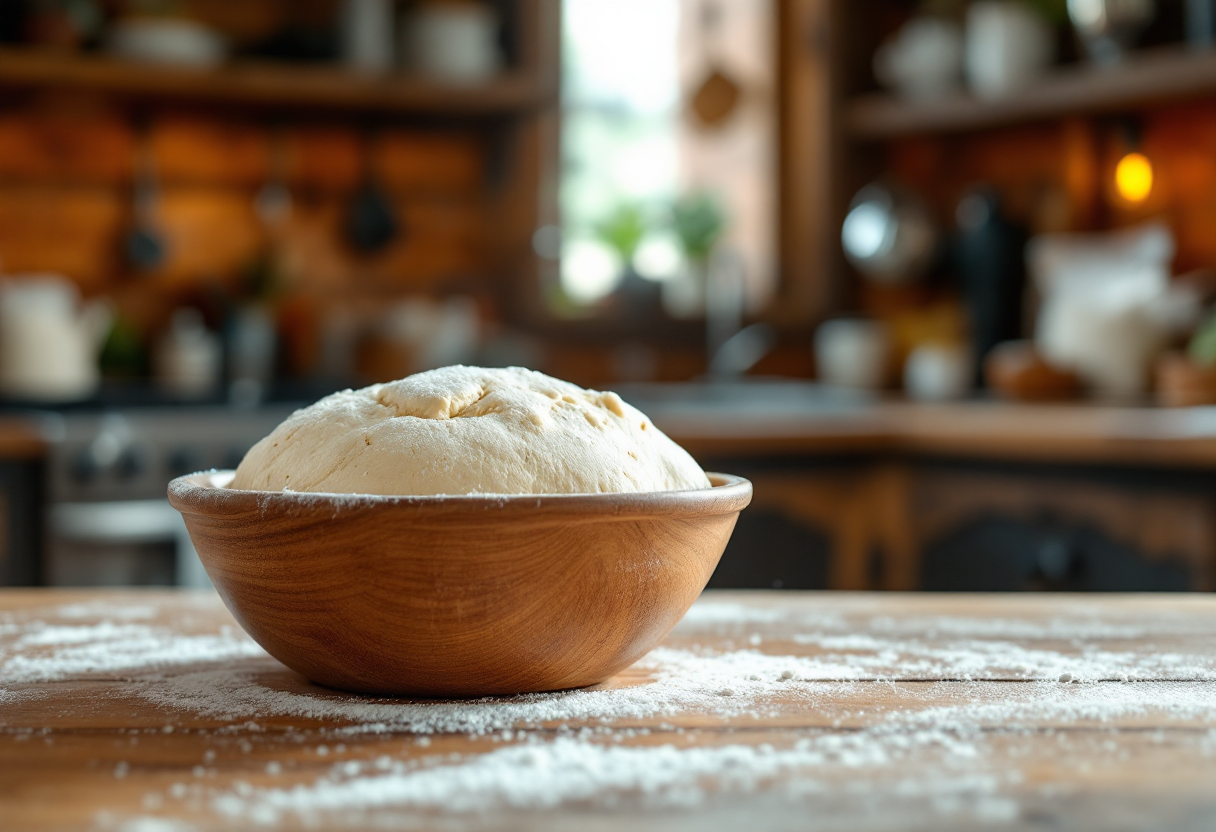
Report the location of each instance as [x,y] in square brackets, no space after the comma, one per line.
[108,521]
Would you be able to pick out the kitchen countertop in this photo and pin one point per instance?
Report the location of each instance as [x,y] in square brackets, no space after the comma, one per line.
[1055,433]
[1082,433]
[21,438]
[142,710]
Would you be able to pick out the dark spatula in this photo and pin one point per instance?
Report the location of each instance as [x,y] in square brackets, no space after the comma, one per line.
[144,246]
[371,220]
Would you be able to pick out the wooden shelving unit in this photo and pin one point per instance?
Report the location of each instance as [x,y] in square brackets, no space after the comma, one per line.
[280,86]
[1149,78]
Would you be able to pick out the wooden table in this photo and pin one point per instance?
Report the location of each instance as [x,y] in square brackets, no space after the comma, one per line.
[152,711]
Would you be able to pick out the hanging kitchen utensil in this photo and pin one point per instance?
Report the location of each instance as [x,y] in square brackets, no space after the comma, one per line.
[888,235]
[272,203]
[144,246]
[718,95]
[371,221]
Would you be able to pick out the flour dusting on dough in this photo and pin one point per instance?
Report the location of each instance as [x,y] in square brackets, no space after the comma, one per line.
[469,430]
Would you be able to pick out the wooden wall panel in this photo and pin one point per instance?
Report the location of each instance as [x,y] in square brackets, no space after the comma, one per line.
[1181,142]
[1021,163]
[206,151]
[212,235]
[73,231]
[219,153]
[54,147]
[324,158]
[209,234]
[441,240]
[430,163]
[66,201]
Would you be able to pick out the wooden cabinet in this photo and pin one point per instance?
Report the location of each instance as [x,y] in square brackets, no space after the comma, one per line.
[935,524]
[996,527]
[22,483]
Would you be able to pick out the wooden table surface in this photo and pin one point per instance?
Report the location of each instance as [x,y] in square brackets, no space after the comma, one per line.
[146,711]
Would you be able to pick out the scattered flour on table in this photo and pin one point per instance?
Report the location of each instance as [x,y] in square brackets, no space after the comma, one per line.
[942,730]
[729,685]
[541,775]
[106,611]
[949,763]
[1083,623]
[726,684]
[46,653]
[148,824]
[967,659]
[705,614]
[1054,628]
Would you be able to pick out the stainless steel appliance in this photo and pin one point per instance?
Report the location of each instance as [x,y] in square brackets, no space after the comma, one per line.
[108,522]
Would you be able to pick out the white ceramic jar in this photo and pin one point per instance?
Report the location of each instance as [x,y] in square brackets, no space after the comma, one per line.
[49,343]
[1008,43]
[452,41]
[853,352]
[938,372]
[924,59]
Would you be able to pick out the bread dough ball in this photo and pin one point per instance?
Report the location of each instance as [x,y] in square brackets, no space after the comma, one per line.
[469,430]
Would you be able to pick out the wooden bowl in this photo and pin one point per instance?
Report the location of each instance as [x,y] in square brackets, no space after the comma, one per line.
[1016,371]
[458,595]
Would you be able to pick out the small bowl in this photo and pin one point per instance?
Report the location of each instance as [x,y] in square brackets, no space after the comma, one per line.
[458,595]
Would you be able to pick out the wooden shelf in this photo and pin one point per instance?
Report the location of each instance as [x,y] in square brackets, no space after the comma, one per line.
[1149,78]
[284,86]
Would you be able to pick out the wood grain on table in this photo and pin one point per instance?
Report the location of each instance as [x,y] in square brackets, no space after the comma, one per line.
[150,710]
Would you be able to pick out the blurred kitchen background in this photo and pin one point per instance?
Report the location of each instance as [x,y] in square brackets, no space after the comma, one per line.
[936,275]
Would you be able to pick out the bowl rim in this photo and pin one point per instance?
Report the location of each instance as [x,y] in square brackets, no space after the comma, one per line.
[202,494]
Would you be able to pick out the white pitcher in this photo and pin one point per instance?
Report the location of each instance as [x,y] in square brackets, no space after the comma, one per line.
[49,342]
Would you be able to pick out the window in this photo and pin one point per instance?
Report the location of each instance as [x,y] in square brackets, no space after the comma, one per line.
[635,142]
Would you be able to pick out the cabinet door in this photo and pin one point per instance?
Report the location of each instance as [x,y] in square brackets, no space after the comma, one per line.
[1002,554]
[805,529]
[1012,531]
[772,550]
[22,503]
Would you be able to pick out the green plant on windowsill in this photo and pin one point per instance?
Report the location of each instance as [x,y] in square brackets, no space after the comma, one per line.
[698,221]
[623,231]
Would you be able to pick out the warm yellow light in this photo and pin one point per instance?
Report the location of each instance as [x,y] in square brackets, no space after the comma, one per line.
[1134,177]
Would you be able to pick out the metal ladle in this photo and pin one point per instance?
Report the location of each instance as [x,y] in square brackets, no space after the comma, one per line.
[272,203]
[144,245]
